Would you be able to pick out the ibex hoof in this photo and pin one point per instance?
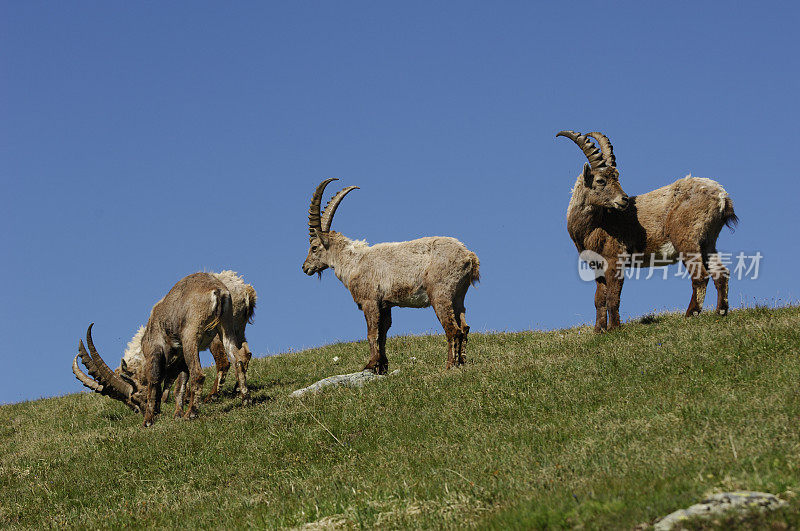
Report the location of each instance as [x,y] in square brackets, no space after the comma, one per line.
[178,414]
[191,414]
[211,397]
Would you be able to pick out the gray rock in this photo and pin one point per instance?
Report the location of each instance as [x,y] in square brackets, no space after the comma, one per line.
[739,501]
[356,379]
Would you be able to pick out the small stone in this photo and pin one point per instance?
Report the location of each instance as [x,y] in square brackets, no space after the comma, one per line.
[717,504]
[355,379]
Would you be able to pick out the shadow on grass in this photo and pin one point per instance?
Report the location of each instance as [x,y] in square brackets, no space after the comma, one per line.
[650,319]
[233,392]
[254,401]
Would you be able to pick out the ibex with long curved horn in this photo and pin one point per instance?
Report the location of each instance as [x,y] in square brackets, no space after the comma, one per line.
[678,221]
[202,310]
[434,271]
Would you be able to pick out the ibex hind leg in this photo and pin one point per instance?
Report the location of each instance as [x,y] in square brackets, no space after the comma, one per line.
[191,355]
[223,366]
[180,393]
[241,382]
[461,319]
[695,266]
[447,317]
[240,352]
[720,274]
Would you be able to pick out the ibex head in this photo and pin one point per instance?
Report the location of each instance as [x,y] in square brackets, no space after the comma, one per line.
[319,227]
[119,385]
[600,174]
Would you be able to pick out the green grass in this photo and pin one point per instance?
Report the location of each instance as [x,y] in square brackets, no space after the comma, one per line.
[539,429]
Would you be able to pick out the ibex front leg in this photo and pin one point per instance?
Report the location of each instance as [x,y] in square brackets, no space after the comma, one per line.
[383,329]
[601,306]
[614,279]
[155,374]
[372,314]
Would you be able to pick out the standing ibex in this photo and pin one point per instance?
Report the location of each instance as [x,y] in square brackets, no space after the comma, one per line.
[434,271]
[202,310]
[678,221]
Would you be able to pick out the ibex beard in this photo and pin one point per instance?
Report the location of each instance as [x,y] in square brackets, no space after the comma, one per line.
[434,271]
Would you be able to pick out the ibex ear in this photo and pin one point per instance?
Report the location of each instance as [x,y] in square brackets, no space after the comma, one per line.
[323,237]
[130,380]
[587,174]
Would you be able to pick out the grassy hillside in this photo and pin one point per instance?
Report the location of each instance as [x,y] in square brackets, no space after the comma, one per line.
[562,428]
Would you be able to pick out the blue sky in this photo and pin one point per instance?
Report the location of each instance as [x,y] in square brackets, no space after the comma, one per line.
[141,142]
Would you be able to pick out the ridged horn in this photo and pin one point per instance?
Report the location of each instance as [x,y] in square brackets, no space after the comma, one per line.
[81,376]
[606,148]
[594,155]
[314,217]
[105,388]
[333,204]
[106,373]
[105,381]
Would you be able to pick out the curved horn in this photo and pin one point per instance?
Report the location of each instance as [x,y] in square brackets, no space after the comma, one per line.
[313,210]
[106,381]
[605,147]
[106,374]
[333,204]
[85,380]
[594,155]
[104,387]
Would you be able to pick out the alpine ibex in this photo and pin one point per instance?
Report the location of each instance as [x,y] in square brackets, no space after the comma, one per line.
[434,271]
[680,221]
[202,310]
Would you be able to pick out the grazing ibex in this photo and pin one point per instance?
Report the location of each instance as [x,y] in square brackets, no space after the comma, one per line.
[202,310]
[679,221]
[434,271]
